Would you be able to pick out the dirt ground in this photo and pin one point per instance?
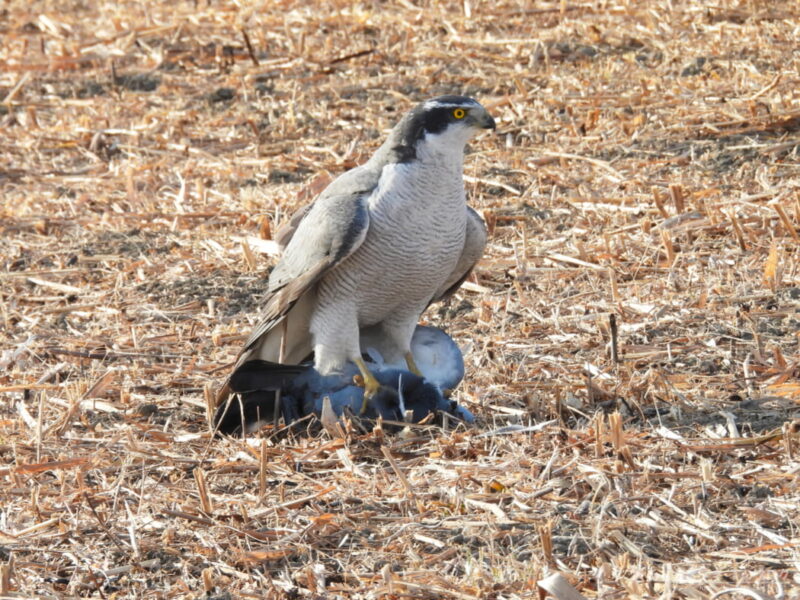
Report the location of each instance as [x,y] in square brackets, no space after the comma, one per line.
[632,336]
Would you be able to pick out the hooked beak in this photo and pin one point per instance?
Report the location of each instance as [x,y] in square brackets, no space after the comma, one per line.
[486,121]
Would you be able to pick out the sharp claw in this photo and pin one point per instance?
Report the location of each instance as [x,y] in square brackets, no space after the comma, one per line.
[412,365]
[371,385]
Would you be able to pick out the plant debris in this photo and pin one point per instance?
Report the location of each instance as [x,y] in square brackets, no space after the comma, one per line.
[632,336]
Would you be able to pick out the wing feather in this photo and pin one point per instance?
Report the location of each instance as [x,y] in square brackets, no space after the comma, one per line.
[474,244]
[332,230]
[327,233]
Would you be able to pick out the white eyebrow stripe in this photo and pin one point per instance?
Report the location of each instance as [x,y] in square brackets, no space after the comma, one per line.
[435,104]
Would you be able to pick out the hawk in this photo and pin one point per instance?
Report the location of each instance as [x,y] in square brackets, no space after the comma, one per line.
[372,252]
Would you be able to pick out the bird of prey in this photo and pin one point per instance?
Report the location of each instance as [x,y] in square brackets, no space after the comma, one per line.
[373,251]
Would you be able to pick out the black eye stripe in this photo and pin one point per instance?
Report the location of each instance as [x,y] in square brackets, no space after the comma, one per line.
[432,117]
[437,119]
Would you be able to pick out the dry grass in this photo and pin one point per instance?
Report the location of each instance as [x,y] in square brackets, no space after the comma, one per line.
[642,194]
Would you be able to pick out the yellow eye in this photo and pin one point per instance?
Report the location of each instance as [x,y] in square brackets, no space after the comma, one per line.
[459,113]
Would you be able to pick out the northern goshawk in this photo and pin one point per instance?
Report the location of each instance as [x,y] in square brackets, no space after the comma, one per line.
[375,249]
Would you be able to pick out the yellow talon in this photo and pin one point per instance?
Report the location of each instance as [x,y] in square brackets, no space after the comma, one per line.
[412,366]
[369,382]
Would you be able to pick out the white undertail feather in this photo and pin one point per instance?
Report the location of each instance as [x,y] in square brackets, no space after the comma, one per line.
[400,399]
[293,332]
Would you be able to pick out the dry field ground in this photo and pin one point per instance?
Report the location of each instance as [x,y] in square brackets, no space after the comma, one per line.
[632,336]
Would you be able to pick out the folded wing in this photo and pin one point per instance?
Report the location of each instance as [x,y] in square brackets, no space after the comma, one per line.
[329,231]
[474,243]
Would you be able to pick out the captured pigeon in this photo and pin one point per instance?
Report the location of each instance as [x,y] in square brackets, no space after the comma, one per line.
[403,396]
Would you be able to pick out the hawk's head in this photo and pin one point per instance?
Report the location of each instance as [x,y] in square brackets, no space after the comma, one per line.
[444,124]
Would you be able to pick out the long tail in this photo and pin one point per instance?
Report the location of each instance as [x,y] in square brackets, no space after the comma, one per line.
[258,374]
[249,397]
